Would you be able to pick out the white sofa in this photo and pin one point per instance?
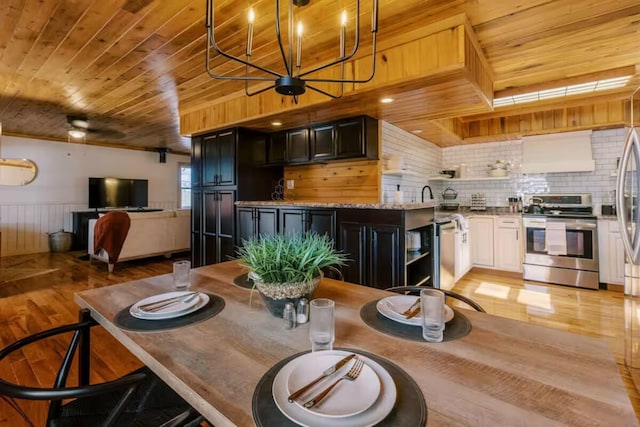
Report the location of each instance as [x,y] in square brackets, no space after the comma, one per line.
[150,234]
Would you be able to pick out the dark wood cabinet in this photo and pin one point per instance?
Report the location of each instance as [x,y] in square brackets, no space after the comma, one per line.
[298,146]
[277,148]
[256,221]
[320,221]
[357,137]
[374,251]
[196,162]
[218,225]
[233,167]
[218,159]
[353,138]
[322,142]
[385,254]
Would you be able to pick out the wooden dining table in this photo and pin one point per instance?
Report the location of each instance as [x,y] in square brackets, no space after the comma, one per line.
[503,373]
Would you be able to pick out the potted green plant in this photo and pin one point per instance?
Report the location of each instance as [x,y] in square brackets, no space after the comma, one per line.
[286,268]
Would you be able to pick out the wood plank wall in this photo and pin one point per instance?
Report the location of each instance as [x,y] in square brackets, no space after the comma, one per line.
[598,115]
[352,181]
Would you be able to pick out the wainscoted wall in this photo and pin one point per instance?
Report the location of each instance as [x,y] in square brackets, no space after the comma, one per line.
[28,213]
[422,159]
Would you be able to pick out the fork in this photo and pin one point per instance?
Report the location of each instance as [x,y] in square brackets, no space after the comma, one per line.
[352,375]
[184,300]
[413,307]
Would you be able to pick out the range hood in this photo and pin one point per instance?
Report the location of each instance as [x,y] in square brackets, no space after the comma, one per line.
[560,152]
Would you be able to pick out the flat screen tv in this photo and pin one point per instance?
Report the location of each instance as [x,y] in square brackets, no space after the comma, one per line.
[118,193]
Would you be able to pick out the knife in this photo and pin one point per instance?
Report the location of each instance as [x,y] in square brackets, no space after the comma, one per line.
[414,313]
[324,374]
[152,305]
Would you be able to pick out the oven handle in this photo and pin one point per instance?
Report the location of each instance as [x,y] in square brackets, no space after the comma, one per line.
[542,225]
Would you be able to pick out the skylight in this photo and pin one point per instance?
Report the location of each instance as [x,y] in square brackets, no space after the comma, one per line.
[562,91]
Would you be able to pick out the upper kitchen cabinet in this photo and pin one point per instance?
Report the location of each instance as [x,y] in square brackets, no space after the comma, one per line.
[322,142]
[218,159]
[298,146]
[277,148]
[354,138]
[196,161]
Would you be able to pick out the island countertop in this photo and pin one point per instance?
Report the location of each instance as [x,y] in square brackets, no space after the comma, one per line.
[312,204]
[505,372]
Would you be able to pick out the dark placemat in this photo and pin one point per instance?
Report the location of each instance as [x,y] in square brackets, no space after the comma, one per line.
[126,321]
[243,281]
[458,327]
[410,408]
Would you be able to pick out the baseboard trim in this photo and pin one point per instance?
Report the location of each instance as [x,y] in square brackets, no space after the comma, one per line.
[503,273]
[615,287]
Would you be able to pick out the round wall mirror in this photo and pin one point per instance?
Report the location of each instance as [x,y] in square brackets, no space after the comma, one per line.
[17,171]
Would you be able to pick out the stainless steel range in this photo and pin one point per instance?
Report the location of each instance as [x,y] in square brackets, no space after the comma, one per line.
[561,240]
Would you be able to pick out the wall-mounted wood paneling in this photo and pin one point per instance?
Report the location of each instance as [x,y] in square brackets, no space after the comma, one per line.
[353,181]
[554,120]
[448,78]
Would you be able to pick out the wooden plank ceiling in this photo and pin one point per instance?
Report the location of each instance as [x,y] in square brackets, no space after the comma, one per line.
[133,66]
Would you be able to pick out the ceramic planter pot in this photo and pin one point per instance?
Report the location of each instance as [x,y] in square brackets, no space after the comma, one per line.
[277,295]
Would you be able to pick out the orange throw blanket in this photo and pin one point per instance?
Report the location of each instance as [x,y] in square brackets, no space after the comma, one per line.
[110,232]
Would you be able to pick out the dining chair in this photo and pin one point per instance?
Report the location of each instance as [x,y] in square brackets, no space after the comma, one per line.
[415,290]
[139,398]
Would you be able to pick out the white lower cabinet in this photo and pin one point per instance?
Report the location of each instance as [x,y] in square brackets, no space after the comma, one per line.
[496,242]
[611,256]
[481,240]
[463,254]
[508,245]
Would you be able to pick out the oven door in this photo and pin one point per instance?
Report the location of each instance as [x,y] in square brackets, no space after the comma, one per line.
[582,243]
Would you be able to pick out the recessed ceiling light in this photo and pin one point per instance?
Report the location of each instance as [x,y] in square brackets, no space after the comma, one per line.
[558,92]
[386,100]
[417,131]
[276,123]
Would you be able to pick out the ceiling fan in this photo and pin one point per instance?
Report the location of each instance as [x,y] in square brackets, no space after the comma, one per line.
[78,126]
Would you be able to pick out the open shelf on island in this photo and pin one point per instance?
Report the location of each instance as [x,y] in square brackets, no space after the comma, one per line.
[413,256]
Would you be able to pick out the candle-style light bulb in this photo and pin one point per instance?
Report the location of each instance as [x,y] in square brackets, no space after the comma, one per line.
[343,33]
[299,45]
[250,17]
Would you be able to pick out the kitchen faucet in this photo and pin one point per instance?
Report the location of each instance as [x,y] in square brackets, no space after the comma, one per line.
[430,193]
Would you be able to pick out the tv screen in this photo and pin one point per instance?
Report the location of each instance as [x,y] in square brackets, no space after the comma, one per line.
[118,193]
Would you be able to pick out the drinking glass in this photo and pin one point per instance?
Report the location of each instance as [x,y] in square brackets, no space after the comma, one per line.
[322,330]
[432,309]
[181,275]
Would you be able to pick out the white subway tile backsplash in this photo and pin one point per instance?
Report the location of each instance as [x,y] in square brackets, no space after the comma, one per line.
[427,159]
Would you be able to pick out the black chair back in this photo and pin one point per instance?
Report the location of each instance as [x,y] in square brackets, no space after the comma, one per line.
[415,290]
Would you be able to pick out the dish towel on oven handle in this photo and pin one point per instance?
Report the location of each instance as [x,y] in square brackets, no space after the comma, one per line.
[556,238]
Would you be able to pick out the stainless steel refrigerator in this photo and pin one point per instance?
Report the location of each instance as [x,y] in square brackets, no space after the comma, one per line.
[627,192]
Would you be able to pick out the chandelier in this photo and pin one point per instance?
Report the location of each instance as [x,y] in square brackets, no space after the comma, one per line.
[292,82]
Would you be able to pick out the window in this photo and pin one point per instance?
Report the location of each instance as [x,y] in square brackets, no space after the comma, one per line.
[185,186]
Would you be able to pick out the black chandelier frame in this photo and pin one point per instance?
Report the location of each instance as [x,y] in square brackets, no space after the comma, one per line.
[292,83]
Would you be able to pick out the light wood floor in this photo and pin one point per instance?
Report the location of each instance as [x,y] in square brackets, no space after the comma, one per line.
[36,293]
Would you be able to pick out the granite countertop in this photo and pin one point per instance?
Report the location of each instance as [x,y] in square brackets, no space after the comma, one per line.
[304,204]
[466,211]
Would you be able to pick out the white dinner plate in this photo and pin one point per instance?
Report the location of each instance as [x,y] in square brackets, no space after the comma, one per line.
[347,398]
[393,307]
[374,414]
[181,309]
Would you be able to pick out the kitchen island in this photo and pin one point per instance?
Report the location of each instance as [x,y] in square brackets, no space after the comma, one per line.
[388,244]
[504,372]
